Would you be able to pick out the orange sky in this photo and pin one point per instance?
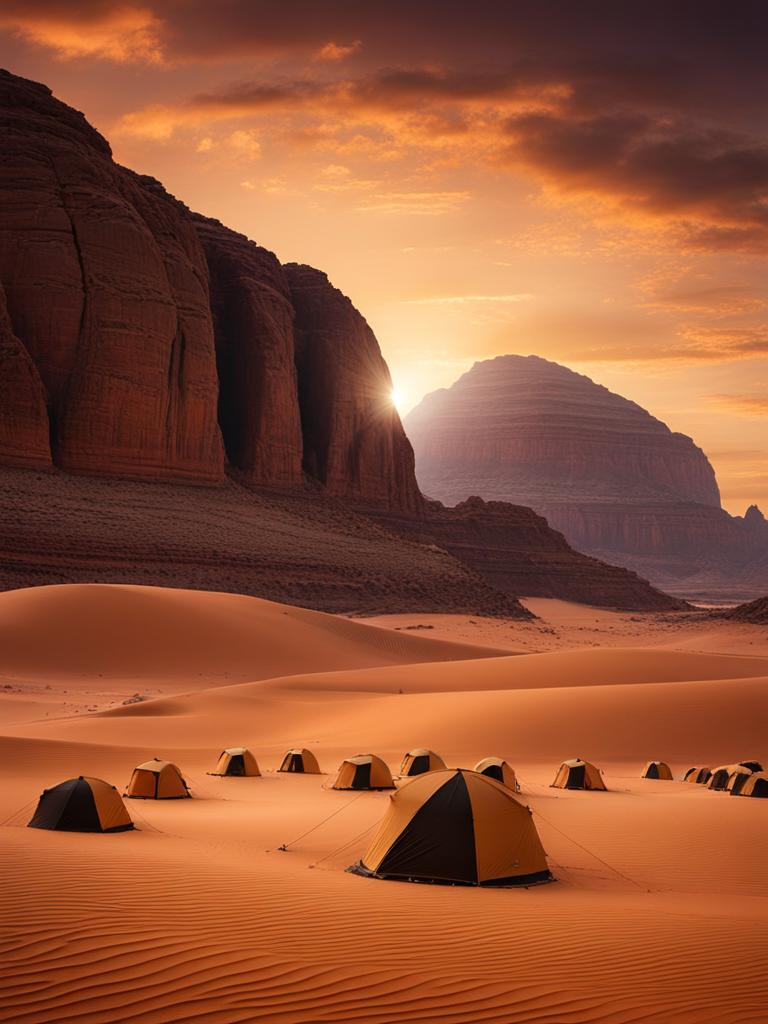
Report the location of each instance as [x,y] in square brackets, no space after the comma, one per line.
[588,182]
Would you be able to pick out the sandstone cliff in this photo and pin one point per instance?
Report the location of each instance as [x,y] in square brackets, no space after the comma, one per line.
[614,480]
[106,288]
[255,356]
[354,443]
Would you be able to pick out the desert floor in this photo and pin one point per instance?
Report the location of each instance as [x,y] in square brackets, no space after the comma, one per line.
[660,908]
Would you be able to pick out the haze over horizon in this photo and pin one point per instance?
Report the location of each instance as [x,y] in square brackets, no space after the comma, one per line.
[587,184]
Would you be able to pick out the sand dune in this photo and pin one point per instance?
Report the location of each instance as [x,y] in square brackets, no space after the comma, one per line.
[123,631]
[198,915]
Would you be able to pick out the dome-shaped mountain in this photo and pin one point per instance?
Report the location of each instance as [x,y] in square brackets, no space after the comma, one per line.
[523,429]
[616,481]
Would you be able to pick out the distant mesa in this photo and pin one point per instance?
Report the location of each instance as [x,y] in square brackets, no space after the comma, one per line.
[617,482]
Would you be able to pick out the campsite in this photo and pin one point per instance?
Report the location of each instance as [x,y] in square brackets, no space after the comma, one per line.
[258,792]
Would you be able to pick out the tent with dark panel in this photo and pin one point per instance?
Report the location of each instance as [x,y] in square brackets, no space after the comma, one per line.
[456,827]
[719,778]
[300,760]
[363,771]
[755,785]
[657,770]
[578,774]
[499,769]
[236,761]
[157,780]
[83,804]
[754,766]
[737,781]
[421,760]
[700,776]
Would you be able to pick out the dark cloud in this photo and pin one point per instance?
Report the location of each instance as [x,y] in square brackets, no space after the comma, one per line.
[657,106]
[715,179]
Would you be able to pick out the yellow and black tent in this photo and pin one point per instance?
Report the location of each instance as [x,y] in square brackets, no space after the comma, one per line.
[157,780]
[755,785]
[421,760]
[700,776]
[456,827]
[578,774]
[236,761]
[720,777]
[657,770]
[83,804]
[499,769]
[363,771]
[300,760]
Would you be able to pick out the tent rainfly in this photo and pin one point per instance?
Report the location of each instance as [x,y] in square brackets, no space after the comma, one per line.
[83,804]
[363,771]
[720,777]
[157,780]
[657,770]
[578,774]
[755,784]
[499,769]
[754,766]
[456,827]
[300,760]
[421,760]
[236,761]
[700,776]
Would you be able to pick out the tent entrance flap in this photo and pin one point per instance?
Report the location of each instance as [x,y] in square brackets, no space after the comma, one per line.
[362,778]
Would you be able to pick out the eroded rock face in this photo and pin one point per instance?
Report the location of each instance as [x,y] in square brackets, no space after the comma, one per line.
[253,327]
[526,430]
[517,552]
[23,416]
[106,288]
[354,443]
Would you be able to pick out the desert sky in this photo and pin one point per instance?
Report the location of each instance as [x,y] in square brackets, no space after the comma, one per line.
[584,181]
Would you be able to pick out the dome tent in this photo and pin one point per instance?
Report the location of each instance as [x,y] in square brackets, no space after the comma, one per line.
[578,774]
[363,771]
[499,769]
[720,777]
[699,776]
[84,804]
[456,827]
[421,760]
[236,761]
[657,770]
[157,780]
[754,766]
[755,785]
[300,760]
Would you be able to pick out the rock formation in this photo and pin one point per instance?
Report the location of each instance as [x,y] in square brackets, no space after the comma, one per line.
[354,443]
[106,287]
[518,553]
[755,612]
[140,340]
[253,327]
[616,481]
[523,429]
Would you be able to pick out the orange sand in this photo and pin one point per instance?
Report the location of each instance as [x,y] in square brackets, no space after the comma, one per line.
[660,911]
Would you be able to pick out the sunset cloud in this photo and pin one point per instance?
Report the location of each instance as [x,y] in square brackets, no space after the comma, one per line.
[119,33]
[755,404]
